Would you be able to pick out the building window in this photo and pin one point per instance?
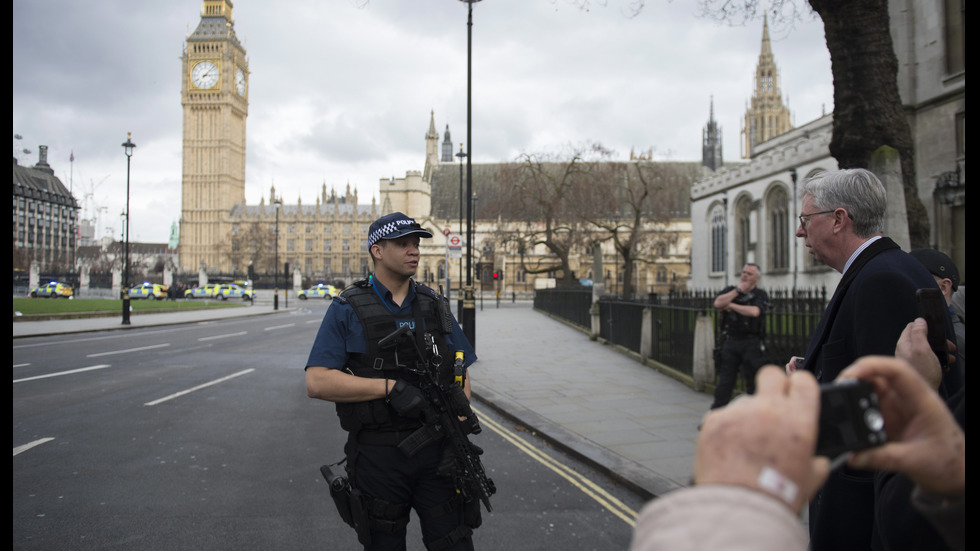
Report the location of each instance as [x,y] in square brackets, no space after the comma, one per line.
[960,135]
[779,229]
[718,237]
[744,238]
[955,33]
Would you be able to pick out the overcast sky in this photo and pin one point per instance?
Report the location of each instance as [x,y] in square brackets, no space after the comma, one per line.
[341,90]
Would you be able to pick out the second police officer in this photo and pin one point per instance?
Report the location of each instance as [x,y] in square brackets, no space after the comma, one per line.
[743,309]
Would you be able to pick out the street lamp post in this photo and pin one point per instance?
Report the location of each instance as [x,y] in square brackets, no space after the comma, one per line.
[275,298]
[461,155]
[128,147]
[469,306]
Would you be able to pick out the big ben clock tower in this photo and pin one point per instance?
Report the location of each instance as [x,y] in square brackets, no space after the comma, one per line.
[214,95]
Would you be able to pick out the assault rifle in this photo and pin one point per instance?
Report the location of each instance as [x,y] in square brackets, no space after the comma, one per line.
[449,415]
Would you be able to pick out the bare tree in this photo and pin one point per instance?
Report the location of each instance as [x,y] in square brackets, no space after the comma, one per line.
[253,244]
[538,201]
[633,204]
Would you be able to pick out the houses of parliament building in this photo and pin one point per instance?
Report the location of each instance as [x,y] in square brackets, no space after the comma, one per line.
[327,240]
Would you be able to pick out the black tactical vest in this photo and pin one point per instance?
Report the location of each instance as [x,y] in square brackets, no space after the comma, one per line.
[397,362]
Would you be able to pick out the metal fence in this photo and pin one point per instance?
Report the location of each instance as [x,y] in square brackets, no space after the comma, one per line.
[791,318]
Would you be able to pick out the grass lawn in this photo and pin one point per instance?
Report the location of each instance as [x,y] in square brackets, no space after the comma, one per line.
[28,306]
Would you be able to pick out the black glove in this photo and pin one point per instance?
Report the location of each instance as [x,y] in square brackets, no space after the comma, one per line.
[407,400]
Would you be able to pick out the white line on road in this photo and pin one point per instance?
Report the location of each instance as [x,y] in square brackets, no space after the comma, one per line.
[198,387]
[29,445]
[21,365]
[280,326]
[126,351]
[60,373]
[240,333]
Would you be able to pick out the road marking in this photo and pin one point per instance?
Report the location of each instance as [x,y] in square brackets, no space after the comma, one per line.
[60,373]
[280,326]
[128,350]
[29,445]
[198,387]
[589,488]
[21,365]
[240,333]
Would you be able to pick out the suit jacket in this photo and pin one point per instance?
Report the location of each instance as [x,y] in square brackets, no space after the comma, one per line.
[870,308]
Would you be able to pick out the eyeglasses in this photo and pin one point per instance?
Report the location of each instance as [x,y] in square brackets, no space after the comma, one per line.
[805,218]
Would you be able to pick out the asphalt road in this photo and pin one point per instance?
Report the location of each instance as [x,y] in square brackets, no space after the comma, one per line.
[202,437]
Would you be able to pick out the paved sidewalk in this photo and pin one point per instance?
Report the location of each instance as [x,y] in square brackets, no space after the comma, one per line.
[629,420]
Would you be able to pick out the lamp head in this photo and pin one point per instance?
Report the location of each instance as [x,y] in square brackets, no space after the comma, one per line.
[128,145]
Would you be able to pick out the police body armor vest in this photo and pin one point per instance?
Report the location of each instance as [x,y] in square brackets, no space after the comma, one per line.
[398,362]
[738,325]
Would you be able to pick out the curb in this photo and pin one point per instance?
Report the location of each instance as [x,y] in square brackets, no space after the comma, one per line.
[636,477]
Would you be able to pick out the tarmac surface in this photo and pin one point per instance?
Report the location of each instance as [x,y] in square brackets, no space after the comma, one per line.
[634,423]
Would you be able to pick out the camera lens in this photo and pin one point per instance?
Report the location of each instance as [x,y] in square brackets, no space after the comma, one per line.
[874,420]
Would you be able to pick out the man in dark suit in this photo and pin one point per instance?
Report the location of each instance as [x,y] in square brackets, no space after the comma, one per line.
[841,221]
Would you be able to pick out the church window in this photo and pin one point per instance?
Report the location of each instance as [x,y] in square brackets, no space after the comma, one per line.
[718,236]
[954,35]
[779,229]
[743,237]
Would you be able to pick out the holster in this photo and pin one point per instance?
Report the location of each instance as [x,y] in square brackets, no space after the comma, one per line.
[350,505]
[359,517]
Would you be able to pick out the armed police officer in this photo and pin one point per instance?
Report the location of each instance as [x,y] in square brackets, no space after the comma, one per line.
[375,376]
[743,308]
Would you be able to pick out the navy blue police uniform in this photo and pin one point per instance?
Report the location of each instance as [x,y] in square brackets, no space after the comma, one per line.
[390,482]
[742,347]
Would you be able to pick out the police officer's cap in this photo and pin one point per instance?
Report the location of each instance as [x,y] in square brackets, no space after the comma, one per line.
[938,264]
[393,226]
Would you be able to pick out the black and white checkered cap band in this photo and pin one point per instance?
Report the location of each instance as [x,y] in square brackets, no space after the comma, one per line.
[392,227]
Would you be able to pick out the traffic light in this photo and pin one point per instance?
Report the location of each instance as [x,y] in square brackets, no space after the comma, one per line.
[496,275]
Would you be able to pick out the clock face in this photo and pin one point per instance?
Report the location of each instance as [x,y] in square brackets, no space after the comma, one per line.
[205,75]
[240,82]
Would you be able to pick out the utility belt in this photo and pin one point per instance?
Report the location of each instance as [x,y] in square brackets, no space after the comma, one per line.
[384,437]
[744,336]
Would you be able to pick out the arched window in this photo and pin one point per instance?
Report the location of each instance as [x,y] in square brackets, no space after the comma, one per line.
[744,238]
[718,236]
[777,206]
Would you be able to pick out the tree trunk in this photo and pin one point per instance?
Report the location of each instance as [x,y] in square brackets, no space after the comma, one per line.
[868,110]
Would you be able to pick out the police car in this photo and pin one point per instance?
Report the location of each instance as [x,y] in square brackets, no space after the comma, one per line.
[206,291]
[149,291]
[53,290]
[232,290]
[317,291]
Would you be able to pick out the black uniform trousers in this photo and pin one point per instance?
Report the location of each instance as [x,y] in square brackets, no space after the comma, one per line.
[384,472]
[745,354]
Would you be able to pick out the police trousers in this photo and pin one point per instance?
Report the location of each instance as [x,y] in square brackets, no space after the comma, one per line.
[384,473]
[745,355]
